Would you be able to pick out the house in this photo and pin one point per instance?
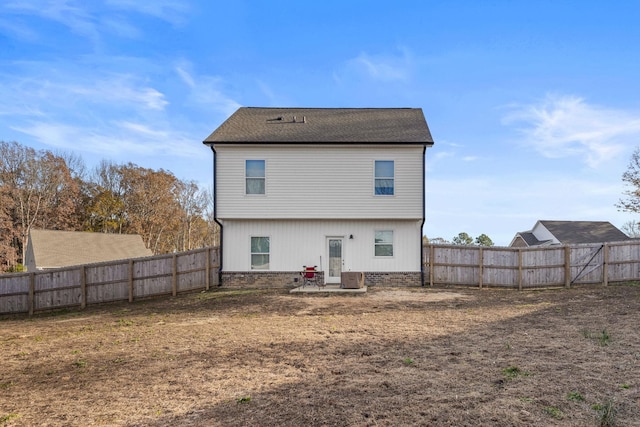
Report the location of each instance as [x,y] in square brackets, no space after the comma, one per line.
[47,249]
[341,189]
[545,233]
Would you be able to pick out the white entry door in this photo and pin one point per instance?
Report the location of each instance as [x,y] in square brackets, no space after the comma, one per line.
[336,260]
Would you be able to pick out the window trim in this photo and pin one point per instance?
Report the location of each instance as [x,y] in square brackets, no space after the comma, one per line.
[246,178]
[376,244]
[392,178]
[251,253]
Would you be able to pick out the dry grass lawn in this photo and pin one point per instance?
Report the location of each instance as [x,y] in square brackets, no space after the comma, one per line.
[390,357]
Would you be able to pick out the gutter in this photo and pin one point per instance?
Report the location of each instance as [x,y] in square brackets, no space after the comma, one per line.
[215,210]
[424,210]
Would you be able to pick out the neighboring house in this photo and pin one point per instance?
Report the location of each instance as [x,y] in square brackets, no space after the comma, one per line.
[338,188]
[49,249]
[546,233]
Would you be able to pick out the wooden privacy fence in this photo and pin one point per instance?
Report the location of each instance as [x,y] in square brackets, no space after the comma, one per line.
[124,280]
[171,274]
[523,268]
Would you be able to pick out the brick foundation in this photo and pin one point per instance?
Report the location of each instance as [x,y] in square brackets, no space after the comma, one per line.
[291,279]
[264,279]
[409,278]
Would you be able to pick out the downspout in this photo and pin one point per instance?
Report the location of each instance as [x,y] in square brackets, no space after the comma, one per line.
[215,210]
[424,210]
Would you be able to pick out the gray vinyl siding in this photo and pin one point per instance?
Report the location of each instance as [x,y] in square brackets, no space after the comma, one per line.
[311,181]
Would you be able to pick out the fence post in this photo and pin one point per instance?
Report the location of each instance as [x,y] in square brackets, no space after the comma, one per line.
[174,284]
[432,252]
[480,266]
[567,266]
[32,292]
[207,268]
[519,269]
[83,288]
[130,280]
[605,265]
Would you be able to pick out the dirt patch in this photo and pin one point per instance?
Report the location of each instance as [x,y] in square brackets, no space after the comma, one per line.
[388,357]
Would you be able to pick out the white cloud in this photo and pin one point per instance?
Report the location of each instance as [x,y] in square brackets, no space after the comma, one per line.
[143,130]
[90,19]
[185,76]
[567,126]
[117,139]
[379,67]
[120,116]
[66,137]
[121,27]
[172,11]
[119,89]
[64,86]
[447,150]
[206,90]
[70,13]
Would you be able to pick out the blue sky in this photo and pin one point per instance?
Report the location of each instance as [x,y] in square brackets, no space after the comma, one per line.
[534,106]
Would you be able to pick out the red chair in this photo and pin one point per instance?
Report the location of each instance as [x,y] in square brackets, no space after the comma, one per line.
[309,276]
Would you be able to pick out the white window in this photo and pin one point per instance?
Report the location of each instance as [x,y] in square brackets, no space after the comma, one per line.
[384,182]
[259,253]
[255,176]
[384,243]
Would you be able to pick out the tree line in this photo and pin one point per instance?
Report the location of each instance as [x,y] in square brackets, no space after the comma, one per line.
[461,239]
[45,190]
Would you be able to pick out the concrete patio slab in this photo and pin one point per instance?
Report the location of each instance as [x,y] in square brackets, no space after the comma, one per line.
[327,288]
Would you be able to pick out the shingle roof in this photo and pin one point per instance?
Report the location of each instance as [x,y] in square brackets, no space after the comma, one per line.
[572,232]
[323,125]
[531,239]
[52,248]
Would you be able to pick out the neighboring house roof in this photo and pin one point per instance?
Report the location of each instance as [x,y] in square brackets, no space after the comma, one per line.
[531,240]
[54,249]
[570,232]
[323,125]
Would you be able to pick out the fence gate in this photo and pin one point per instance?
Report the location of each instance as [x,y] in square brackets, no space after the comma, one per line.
[587,263]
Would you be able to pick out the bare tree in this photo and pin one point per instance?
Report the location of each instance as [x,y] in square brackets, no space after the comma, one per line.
[46,190]
[193,204]
[105,204]
[631,229]
[40,189]
[61,194]
[439,241]
[8,255]
[151,205]
[632,179]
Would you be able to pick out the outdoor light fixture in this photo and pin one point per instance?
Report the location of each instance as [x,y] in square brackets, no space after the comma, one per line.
[351,236]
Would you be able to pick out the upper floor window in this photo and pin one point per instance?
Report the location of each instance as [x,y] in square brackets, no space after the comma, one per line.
[255,176]
[384,182]
[384,243]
